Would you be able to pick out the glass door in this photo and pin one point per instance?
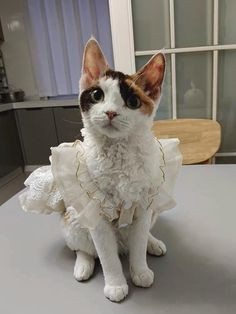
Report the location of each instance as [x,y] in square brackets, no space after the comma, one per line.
[199,41]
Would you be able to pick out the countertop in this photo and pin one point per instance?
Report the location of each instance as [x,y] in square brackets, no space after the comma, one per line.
[39,104]
[197,276]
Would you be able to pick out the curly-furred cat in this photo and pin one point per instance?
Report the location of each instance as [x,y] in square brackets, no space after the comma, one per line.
[110,188]
[123,159]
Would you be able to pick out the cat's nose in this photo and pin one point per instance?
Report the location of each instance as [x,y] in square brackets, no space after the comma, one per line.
[111,114]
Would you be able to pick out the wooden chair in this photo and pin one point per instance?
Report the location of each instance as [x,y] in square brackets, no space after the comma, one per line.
[199,138]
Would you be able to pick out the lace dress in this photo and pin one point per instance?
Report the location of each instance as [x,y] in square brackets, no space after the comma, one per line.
[66,186]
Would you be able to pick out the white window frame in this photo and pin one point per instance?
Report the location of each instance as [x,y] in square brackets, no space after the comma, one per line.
[122,35]
[124,53]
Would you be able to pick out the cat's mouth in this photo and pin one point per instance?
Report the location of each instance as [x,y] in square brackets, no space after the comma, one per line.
[110,126]
[111,129]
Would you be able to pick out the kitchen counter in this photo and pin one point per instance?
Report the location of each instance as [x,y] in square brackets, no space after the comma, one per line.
[28,104]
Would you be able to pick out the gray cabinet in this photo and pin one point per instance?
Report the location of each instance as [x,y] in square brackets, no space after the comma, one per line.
[37,133]
[68,123]
[10,150]
[42,128]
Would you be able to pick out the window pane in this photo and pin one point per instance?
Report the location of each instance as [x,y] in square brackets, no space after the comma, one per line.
[193,22]
[194,85]
[227,31]
[227,100]
[151,24]
[165,107]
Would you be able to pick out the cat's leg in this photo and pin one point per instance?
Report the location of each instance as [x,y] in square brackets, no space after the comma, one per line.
[84,266]
[79,240]
[155,247]
[105,242]
[141,274]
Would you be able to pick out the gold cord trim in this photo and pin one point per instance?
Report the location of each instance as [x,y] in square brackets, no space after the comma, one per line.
[162,171]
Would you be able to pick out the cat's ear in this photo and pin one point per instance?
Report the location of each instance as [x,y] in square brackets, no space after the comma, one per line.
[150,76]
[94,64]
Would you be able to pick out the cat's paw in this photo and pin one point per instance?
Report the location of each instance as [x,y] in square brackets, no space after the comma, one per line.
[156,247]
[143,278]
[83,271]
[116,293]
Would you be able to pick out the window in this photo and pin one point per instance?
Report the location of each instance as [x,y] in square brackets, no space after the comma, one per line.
[199,40]
[58,31]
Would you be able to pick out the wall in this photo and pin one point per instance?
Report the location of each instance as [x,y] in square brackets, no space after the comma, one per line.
[15,48]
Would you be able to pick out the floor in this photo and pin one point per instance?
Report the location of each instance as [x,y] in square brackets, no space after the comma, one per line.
[11,188]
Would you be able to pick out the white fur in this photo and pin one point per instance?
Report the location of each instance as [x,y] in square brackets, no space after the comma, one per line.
[123,159]
[84,266]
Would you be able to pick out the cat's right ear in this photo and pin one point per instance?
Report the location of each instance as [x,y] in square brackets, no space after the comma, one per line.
[94,64]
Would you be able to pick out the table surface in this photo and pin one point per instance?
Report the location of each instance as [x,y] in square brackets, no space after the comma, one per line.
[198,274]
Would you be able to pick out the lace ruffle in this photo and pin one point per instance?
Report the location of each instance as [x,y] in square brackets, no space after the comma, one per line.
[42,195]
[67,186]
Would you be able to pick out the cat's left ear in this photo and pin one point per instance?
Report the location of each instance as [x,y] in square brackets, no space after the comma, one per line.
[94,64]
[150,76]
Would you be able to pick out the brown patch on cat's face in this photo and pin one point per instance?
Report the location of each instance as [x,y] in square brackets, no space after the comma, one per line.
[147,103]
[85,97]
[128,88]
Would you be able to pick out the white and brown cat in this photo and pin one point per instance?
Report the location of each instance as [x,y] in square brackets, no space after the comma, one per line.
[123,159]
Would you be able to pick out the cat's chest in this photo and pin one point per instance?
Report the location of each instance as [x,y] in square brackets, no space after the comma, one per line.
[124,171]
[115,164]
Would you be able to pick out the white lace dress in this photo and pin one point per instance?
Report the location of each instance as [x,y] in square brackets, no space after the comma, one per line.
[65,185]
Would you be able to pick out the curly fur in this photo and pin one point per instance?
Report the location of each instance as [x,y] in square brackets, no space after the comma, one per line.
[123,163]
[123,159]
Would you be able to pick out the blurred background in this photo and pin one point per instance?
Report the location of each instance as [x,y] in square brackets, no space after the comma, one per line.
[200,41]
[41,46]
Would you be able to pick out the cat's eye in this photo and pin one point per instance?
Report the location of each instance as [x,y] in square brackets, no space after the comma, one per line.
[133,102]
[97,95]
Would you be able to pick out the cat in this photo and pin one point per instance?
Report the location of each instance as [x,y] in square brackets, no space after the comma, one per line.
[123,159]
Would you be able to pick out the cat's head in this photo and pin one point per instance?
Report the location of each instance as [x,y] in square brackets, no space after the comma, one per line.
[115,104]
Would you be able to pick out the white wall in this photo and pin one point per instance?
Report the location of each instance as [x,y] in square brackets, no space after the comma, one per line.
[15,48]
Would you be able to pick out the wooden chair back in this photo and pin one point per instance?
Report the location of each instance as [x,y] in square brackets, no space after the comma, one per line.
[199,138]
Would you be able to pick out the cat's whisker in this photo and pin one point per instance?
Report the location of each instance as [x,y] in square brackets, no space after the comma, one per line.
[124,123]
[99,118]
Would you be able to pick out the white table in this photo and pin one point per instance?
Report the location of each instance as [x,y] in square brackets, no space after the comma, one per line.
[198,274]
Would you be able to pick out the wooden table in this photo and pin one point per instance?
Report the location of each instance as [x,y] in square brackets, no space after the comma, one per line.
[198,274]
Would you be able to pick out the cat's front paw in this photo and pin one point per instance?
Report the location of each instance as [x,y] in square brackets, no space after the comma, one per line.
[156,247]
[116,293]
[142,278]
